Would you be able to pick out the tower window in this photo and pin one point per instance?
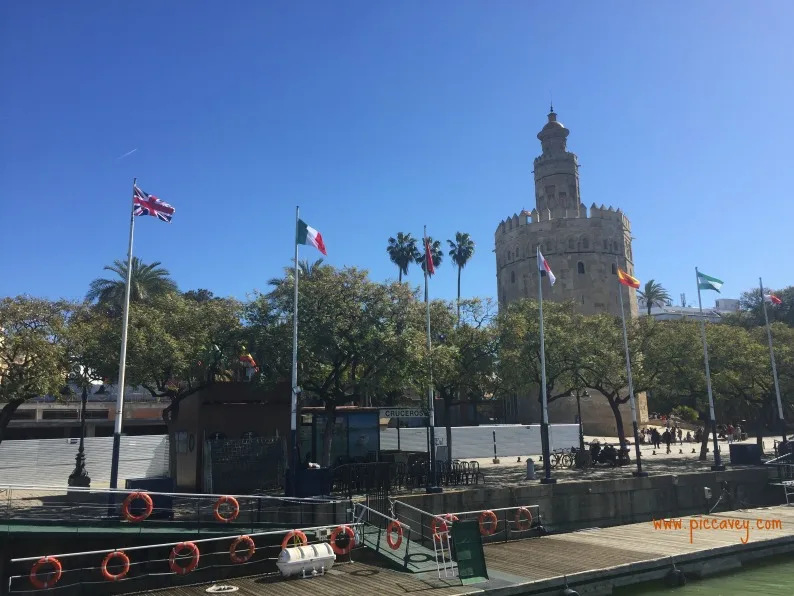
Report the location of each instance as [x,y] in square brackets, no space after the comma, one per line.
[580,267]
[614,269]
[585,243]
[571,244]
[512,277]
[605,244]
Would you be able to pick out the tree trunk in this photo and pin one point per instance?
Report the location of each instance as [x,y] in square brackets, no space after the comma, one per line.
[400,276]
[619,421]
[6,414]
[458,294]
[704,445]
[649,305]
[328,437]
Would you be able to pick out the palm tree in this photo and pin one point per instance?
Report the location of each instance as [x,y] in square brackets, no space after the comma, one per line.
[654,295]
[435,252]
[402,252]
[305,269]
[146,282]
[461,251]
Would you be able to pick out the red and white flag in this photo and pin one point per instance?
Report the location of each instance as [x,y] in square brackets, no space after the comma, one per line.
[543,265]
[773,299]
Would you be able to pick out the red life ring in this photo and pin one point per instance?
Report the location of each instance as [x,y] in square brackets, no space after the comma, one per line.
[194,561]
[147,500]
[249,545]
[125,561]
[295,536]
[57,571]
[524,523]
[488,517]
[351,539]
[235,509]
[438,526]
[394,526]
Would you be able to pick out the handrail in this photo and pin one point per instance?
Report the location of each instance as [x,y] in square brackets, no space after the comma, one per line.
[495,510]
[167,544]
[395,501]
[785,456]
[122,491]
[383,515]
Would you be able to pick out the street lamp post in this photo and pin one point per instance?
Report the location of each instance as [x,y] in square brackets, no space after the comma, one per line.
[579,415]
[79,477]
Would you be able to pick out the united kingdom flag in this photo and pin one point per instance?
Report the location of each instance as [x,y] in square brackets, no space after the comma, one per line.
[146,204]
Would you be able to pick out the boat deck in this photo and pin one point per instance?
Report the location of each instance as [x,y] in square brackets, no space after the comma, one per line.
[613,557]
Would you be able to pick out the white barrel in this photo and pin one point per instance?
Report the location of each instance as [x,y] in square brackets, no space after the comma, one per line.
[306,560]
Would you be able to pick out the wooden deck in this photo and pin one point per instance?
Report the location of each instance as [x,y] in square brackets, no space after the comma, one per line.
[622,555]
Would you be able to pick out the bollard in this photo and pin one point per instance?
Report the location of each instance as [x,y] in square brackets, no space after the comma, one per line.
[495,458]
[530,469]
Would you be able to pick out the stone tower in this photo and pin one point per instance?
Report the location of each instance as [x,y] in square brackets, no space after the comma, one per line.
[583,248]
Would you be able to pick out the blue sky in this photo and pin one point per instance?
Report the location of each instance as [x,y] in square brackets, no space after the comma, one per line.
[379,117]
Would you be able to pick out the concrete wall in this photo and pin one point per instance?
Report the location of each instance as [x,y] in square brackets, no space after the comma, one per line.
[575,505]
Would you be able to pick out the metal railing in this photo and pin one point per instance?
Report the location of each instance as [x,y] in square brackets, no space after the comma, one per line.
[783,466]
[184,511]
[509,525]
[153,566]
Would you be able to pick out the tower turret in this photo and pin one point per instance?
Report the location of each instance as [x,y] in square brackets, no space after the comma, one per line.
[556,171]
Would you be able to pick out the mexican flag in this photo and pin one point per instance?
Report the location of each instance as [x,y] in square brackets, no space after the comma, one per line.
[308,235]
[706,282]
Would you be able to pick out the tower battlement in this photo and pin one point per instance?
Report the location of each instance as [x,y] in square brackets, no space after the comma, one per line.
[528,218]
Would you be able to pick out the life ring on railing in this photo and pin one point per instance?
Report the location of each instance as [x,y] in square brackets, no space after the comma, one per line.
[488,517]
[125,561]
[394,526]
[348,531]
[235,509]
[147,500]
[440,526]
[292,536]
[524,523]
[250,548]
[194,561]
[57,572]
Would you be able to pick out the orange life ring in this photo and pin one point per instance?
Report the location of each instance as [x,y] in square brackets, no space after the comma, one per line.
[488,517]
[57,572]
[125,508]
[194,553]
[524,523]
[394,526]
[438,526]
[351,539]
[125,561]
[249,545]
[295,534]
[235,509]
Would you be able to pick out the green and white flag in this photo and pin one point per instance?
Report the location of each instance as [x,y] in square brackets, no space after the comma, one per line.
[706,282]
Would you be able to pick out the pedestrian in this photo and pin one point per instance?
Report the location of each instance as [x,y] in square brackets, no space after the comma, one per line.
[667,437]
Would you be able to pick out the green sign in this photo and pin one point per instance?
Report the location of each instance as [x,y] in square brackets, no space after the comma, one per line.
[467,544]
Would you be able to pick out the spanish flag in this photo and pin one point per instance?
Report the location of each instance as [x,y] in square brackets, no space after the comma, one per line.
[628,280]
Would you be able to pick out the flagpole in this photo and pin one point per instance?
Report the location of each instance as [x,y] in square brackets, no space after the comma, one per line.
[544,428]
[774,367]
[294,400]
[639,471]
[114,464]
[431,488]
[717,467]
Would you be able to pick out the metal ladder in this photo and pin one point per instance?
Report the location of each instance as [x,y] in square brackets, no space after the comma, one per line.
[443,551]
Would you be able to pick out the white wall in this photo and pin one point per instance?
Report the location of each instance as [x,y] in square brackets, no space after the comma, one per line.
[470,442]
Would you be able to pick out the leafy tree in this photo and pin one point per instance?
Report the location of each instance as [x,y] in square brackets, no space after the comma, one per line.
[200,295]
[32,353]
[461,251]
[402,252]
[435,253]
[654,294]
[175,346]
[146,283]
[463,356]
[305,269]
[752,314]
[355,337]
[519,364]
